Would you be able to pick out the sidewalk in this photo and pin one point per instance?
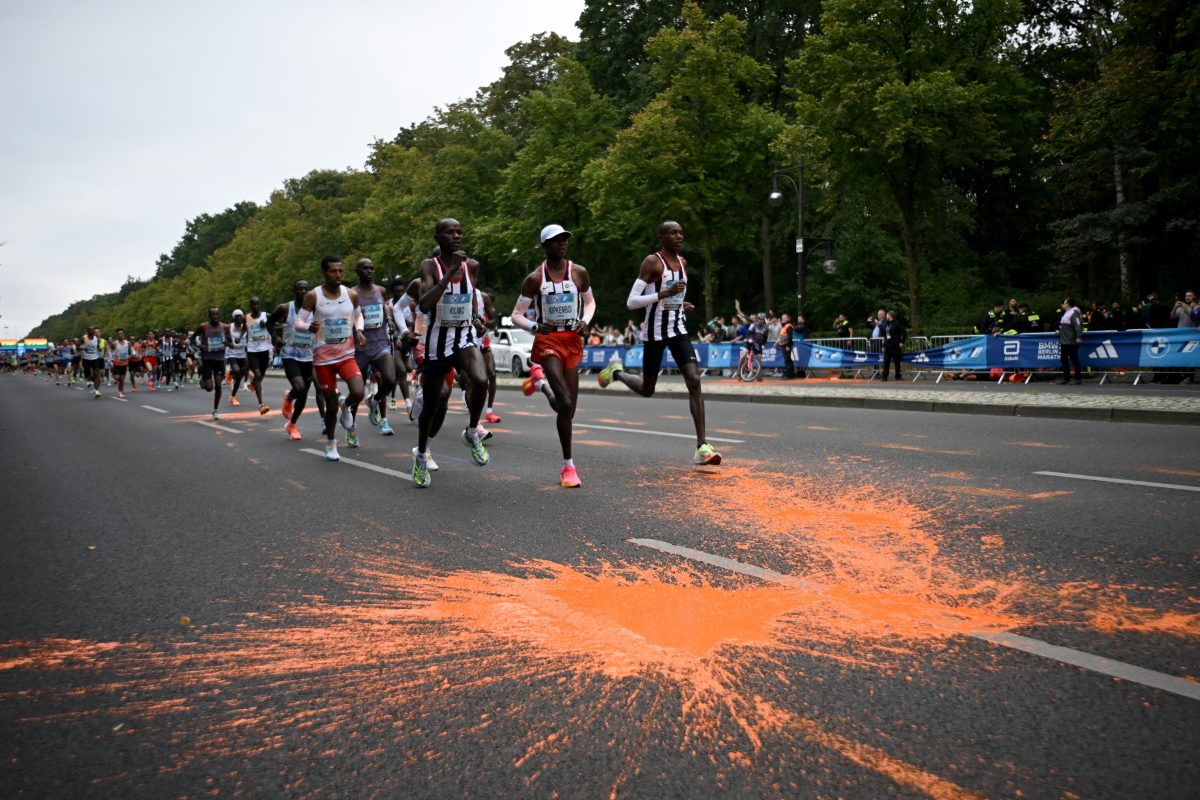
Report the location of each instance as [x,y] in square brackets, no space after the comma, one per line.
[1164,404]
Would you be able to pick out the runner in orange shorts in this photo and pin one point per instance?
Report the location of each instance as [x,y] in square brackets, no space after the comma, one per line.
[560,293]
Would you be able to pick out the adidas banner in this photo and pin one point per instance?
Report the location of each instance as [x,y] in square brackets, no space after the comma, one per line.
[1163,347]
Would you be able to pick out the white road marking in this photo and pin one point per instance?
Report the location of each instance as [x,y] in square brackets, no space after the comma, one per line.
[218,427]
[122,399]
[393,472]
[657,433]
[1152,484]
[159,410]
[1065,655]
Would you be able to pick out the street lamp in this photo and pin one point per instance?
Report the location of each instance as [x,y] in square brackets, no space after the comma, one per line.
[775,198]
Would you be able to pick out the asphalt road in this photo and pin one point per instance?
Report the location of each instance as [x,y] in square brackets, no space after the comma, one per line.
[855,604]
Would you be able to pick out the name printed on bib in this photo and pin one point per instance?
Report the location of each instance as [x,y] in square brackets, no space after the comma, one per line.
[454,310]
[372,316]
[560,308]
[335,331]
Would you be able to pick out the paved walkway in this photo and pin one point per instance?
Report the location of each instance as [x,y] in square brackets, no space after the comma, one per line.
[1166,404]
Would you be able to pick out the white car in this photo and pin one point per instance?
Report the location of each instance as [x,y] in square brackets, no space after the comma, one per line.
[511,347]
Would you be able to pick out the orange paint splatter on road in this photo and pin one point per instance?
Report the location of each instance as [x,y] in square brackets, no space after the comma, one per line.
[952,475]
[596,442]
[1039,444]
[915,449]
[1187,473]
[819,428]
[607,421]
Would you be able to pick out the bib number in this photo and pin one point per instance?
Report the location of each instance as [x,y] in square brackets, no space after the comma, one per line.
[259,333]
[672,302]
[303,339]
[335,331]
[372,316]
[454,310]
[560,309]
[215,342]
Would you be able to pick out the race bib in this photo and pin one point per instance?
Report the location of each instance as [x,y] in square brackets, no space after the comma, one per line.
[216,341]
[335,331]
[560,309]
[454,310]
[303,339]
[672,302]
[372,316]
[259,333]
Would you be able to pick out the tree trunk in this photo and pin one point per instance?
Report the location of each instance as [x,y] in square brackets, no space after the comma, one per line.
[710,269]
[1122,253]
[908,214]
[767,272]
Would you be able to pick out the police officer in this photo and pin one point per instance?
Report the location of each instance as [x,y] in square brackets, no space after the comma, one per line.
[893,333]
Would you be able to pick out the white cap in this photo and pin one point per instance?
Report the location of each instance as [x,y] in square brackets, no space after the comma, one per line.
[237,312]
[550,231]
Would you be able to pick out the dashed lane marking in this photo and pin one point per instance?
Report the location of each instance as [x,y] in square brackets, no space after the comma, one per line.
[644,432]
[1065,655]
[1151,484]
[159,410]
[225,428]
[384,470]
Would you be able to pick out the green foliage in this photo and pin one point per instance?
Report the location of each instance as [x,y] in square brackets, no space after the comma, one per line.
[954,152]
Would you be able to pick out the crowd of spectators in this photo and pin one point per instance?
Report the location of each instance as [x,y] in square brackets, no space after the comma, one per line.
[1152,312]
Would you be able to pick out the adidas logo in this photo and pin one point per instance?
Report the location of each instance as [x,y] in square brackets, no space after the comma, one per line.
[1105,350]
[921,358]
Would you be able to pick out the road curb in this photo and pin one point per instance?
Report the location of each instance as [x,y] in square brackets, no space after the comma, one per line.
[1008,409]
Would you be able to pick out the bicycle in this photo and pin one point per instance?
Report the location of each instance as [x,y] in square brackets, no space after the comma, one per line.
[750,366]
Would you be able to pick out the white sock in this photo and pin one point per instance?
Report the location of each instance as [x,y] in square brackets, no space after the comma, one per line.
[489,409]
[568,462]
[539,384]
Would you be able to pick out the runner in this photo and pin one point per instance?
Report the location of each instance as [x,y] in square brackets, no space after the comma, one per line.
[135,363]
[442,404]
[235,354]
[258,350]
[120,349]
[64,354]
[403,340]
[660,289]
[448,299]
[376,354]
[331,312]
[295,349]
[150,351]
[487,313]
[93,351]
[212,341]
[166,367]
[561,292]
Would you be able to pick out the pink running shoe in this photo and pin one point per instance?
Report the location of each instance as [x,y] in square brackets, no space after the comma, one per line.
[491,418]
[569,478]
[535,374]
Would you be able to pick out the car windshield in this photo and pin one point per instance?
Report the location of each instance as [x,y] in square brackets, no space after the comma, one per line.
[521,337]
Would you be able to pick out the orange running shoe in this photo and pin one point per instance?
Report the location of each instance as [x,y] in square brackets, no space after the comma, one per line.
[233,401]
[287,406]
[293,432]
[263,409]
[535,374]
[491,417]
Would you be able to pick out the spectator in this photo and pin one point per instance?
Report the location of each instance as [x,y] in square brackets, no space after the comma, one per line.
[1070,335]
[875,324]
[1116,317]
[993,323]
[1033,320]
[893,333]
[800,332]
[784,342]
[1182,311]
[1155,313]
[841,327]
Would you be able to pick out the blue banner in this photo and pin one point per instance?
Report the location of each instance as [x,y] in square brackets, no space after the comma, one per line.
[1164,347]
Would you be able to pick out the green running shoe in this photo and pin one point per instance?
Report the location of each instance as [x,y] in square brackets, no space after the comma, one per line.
[420,474]
[705,455]
[606,375]
[351,438]
[479,453]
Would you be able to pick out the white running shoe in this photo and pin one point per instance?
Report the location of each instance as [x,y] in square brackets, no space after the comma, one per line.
[345,415]
[430,464]
[331,453]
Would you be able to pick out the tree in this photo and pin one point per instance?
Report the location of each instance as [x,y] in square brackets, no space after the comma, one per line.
[697,152]
[902,93]
[203,236]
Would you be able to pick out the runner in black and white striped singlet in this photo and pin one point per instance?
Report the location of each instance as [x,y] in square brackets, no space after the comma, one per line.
[660,288]
[447,299]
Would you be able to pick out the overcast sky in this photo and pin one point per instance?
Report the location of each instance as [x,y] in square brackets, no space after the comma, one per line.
[122,120]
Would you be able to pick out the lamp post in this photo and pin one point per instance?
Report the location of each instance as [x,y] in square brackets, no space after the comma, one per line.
[775,198]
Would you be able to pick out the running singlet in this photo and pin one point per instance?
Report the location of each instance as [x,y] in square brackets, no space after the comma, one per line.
[91,350]
[665,318]
[297,345]
[167,349]
[336,318]
[449,327]
[559,303]
[120,353]
[260,335]
[374,322]
[150,349]
[237,346]
[212,341]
